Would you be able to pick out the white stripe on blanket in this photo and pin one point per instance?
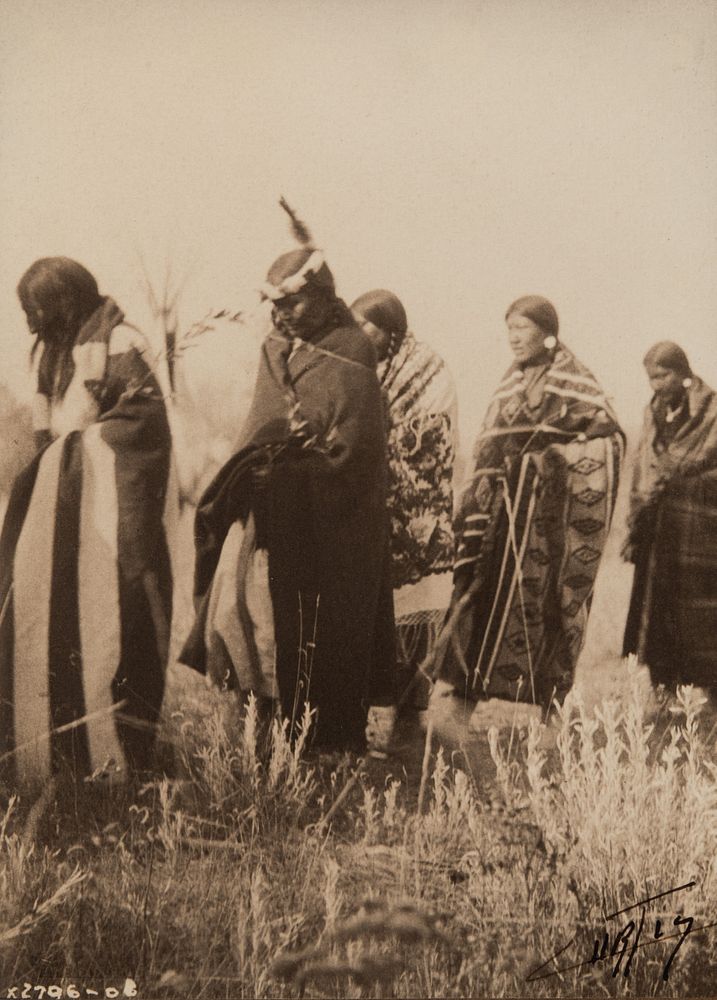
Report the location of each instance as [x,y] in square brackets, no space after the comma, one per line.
[598,401]
[587,380]
[99,607]
[32,582]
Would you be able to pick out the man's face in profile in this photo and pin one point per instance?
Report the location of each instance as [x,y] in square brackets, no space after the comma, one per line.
[302,314]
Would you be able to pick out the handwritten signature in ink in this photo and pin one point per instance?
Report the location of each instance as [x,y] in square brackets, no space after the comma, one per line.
[620,948]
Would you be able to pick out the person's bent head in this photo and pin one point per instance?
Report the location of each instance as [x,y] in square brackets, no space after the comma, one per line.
[57,295]
[382,317]
[668,370]
[532,329]
[301,289]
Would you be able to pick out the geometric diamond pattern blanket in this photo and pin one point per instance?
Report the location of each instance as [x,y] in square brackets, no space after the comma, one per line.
[532,524]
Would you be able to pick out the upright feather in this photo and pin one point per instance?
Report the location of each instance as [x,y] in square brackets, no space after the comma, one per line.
[299,228]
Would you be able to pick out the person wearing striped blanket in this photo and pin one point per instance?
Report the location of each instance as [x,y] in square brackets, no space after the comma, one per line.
[531,524]
[85,582]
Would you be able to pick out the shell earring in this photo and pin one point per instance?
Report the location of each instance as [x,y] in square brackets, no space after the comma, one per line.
[686,382]
[550,342]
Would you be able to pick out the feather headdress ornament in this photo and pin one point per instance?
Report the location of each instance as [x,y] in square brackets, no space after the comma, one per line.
[292,271]
[298,228]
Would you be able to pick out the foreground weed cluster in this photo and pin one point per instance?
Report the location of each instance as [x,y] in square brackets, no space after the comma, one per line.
[265,870]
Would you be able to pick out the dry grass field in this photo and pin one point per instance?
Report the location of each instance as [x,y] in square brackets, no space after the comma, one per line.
[459,872]
[457,867]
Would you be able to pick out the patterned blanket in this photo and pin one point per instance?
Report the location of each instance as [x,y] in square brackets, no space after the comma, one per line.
[422,414]
[422,409]
[530,531]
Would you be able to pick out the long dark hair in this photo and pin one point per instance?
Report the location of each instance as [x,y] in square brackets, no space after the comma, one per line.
[57,295]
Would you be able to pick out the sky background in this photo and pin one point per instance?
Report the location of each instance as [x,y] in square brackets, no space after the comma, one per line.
[458,153]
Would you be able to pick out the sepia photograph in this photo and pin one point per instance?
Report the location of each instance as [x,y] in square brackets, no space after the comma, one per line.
[358,499]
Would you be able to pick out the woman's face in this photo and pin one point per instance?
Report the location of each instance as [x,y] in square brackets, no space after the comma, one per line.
[35,319]
[526,339]
[664,382]
[41,316]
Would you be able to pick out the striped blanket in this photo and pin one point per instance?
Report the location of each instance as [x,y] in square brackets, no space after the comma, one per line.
[86,580]
[530,531]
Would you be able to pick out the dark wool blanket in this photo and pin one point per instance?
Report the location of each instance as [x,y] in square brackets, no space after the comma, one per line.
[316,424]
[672,622]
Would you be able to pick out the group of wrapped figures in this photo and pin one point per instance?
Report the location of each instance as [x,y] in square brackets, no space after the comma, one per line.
[331,560]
